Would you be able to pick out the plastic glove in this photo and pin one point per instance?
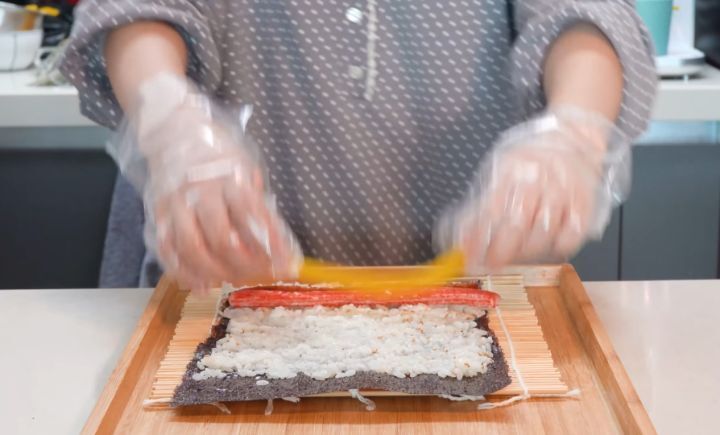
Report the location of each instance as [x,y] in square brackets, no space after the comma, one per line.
[209,214]
[548,186]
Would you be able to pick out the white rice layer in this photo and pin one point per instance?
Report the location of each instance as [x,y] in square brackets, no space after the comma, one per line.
[323,343]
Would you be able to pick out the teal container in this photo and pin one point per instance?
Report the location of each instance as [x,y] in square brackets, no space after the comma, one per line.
[657,15]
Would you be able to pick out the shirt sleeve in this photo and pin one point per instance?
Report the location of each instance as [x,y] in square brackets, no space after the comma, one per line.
[539,22]
[84,63]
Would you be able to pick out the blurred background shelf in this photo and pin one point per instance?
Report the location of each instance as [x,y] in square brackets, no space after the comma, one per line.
[24,105]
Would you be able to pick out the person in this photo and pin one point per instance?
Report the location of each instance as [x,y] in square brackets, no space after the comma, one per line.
[360,132]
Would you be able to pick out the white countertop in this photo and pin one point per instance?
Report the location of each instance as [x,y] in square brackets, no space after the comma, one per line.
[23,105]
[59,348]
[695,99]
[666,333]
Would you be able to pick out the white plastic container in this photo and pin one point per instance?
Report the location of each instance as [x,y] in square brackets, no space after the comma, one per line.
[19,48]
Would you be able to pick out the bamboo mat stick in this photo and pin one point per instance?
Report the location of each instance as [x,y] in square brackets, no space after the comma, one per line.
[533,357]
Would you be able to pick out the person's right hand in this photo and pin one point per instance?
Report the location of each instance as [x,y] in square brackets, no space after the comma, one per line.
[209,213]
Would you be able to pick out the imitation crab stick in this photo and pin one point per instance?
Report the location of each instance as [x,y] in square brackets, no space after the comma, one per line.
[270,297]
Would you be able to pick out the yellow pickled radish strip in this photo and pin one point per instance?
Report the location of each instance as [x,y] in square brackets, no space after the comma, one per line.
[43,10]
[445,267]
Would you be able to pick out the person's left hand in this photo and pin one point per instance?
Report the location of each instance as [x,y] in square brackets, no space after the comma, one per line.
[548,186]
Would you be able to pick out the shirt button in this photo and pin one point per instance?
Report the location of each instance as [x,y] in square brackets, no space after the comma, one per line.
[355,72]
[354,15]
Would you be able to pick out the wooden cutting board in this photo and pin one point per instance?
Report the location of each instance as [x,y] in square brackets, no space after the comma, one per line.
[578,342]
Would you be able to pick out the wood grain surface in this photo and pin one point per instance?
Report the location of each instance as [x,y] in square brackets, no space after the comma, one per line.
[607,403]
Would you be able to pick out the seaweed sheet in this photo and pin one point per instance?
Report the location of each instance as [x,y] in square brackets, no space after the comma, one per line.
[240,388]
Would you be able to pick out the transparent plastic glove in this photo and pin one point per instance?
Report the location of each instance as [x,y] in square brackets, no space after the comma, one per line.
[209,214]
[547,187]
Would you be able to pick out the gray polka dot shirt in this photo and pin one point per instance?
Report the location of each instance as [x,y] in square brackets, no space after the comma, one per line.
[372,115]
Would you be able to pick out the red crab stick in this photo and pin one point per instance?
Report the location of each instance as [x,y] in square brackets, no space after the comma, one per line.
[275,297]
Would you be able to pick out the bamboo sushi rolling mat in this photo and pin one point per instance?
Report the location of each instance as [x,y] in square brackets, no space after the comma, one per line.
[532,356]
